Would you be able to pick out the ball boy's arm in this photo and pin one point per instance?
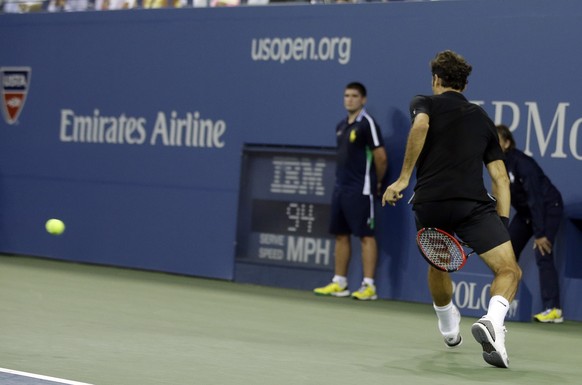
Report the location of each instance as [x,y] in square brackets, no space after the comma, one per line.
[381,165]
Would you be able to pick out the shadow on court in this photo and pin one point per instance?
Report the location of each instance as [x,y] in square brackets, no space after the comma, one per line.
[109,326]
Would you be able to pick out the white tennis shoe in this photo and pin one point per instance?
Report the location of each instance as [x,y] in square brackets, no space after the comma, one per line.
[492,339]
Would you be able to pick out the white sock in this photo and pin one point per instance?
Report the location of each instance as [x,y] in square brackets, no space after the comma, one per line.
[448,323]
[369,281]
[340,280]
[498,308]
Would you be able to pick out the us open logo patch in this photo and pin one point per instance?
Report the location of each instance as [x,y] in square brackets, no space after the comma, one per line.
[15,85]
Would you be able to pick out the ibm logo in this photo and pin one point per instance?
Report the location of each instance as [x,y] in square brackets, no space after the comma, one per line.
[294,175]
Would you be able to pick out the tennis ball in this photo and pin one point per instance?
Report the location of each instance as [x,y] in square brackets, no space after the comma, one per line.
[54,226]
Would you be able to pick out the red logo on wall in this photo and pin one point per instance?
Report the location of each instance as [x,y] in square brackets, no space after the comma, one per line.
[15,85]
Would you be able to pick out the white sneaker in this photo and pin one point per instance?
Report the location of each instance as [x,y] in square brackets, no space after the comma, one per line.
[453,338]
[492,339]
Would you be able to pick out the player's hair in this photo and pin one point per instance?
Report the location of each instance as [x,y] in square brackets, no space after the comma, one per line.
[452,69]
[504,132]
[358,87]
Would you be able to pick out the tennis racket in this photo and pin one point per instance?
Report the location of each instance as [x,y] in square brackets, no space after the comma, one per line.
[441,249]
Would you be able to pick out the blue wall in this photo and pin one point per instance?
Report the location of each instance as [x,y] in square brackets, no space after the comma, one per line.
[113,97]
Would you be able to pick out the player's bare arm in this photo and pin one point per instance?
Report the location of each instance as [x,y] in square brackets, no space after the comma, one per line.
[500,186]
[414,145]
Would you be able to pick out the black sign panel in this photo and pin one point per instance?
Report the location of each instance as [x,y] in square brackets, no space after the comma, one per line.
[284,207]
[297,218]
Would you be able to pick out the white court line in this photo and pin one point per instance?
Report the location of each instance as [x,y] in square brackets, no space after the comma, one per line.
[41,377]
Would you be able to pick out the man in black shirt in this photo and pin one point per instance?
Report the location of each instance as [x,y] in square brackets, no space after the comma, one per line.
[449,141]
[360,168]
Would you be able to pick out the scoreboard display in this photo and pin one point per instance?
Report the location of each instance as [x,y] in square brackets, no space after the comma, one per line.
[284,207]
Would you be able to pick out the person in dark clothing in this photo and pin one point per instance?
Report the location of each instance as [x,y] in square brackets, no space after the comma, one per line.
[360,168]
[449,142]
[538,212]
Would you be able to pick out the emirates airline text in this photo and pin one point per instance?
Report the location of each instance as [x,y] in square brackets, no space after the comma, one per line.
[190,130]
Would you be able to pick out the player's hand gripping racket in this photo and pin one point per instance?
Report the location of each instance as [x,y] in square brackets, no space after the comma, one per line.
[441,249]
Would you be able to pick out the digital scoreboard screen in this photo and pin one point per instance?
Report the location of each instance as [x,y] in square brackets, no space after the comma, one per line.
[284,207]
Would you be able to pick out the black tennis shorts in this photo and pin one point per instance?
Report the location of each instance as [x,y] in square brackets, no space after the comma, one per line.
[475,223]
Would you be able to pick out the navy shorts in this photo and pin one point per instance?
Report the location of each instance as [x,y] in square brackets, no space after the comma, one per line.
[352,213]
[475,223]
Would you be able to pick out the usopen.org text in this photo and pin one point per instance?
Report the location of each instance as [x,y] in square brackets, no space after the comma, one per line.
[302,48]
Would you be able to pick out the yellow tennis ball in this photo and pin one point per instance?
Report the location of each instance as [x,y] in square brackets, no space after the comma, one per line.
[55,226]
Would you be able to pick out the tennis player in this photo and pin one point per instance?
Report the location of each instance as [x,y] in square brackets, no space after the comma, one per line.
[449,141]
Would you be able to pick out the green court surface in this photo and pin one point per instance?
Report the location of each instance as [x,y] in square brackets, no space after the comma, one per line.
[109,326]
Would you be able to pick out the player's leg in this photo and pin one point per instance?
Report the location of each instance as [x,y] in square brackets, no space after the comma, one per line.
[506,271]
[485,233]
[440,286]
[449,318]
[443,215]
[490,330]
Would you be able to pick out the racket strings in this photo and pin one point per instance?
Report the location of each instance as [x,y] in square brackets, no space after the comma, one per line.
[441,250]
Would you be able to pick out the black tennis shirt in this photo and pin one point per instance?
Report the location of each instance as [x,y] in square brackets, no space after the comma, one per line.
[461,138]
